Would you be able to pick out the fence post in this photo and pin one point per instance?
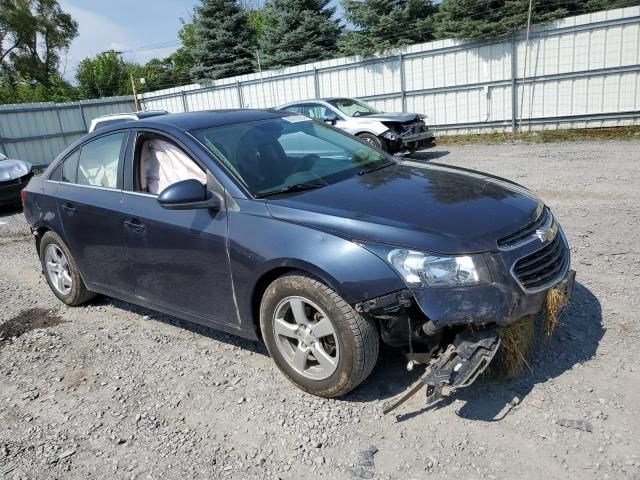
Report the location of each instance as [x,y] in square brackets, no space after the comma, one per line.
[84,120]
[514,75]
[185,106]
[316,83]
[239,92]
[403,88]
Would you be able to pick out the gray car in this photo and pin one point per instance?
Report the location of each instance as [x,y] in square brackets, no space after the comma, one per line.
[392,132]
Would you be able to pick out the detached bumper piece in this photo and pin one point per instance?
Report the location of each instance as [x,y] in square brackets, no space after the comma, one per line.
[456,367]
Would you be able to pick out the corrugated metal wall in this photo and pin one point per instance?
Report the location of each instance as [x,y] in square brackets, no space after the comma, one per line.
[38,132]
[580,72]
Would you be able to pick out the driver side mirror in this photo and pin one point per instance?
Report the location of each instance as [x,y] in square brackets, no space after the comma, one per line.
[331,118]
[188,195]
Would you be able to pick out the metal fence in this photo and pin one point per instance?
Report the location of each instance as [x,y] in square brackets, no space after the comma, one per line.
[577,72]
[37,132]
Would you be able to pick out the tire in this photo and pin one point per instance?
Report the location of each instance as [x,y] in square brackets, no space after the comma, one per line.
[353,346]
[78,292]
[374,141]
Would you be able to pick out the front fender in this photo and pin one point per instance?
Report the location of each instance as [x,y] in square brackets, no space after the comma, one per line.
[260,244]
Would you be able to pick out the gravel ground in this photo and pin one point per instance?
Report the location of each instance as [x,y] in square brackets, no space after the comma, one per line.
[112,390]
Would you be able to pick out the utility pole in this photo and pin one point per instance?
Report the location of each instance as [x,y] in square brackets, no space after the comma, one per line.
[135,95]
[524,73]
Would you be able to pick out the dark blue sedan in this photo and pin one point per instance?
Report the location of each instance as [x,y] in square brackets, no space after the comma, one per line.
[276,227]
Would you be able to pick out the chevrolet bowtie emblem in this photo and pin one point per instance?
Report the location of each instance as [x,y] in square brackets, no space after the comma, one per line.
[545,234]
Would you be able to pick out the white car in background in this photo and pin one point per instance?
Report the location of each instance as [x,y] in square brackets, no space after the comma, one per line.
[391,132]
[105,120]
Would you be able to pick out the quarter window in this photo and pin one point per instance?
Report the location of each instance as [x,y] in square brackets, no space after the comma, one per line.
[70,167]
[98,163]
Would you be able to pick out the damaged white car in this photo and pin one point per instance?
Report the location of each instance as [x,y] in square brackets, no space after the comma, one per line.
[14,176]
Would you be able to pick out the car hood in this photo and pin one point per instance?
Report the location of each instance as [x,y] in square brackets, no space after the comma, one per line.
[392,117]
[423,206]
[13,169]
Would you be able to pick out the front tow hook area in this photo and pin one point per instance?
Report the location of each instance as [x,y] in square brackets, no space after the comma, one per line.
[458,366]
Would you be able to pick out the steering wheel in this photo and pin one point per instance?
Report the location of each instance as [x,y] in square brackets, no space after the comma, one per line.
[357,113]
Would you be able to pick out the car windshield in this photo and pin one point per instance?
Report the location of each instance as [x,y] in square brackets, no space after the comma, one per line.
[288,154]
[353,108]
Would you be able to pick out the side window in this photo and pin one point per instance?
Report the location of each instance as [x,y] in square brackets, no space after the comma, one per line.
[98,162]
[70,167]
[160,163]
[293,109]
[316,111]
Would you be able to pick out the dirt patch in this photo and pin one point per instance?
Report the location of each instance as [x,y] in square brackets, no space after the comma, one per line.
[26,321]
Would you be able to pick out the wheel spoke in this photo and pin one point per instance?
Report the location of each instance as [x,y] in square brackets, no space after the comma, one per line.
[297,307]
[60,283]
[52,265]
[299,359]
[324,359]
[322,328]
[66,279]
[55,255]
[286,329]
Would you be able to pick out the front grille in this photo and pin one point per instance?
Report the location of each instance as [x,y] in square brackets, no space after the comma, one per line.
[525,232]
[413,128]
[544,266]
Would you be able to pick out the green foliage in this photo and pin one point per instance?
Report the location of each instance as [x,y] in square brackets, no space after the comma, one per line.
[105,75]
[297,31]
[484,19]
[382,25]
[223,41]
[34,34]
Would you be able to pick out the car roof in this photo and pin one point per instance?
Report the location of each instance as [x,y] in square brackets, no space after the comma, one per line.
[202,119]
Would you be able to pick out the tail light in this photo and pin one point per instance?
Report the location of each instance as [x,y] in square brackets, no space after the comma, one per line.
[23,196]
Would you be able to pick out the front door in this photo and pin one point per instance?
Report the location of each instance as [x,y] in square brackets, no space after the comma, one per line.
[178,257]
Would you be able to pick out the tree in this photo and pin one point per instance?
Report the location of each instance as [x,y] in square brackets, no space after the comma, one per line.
[297,31]
[482,19]
[223,41]
[382,25]
[105,75]
[37,33]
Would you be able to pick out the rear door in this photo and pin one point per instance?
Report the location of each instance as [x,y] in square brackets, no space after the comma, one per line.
[178,257]
[88,201]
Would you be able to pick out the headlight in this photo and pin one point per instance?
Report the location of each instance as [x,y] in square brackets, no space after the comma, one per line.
[422,269]
[419,268]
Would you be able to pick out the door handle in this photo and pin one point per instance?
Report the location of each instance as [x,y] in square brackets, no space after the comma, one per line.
[68,208]
[134,225]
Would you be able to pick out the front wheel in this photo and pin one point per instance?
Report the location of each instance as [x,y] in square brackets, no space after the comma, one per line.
[315,338]
[374,141]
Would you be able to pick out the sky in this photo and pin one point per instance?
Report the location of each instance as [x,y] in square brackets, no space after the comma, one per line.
[143,29]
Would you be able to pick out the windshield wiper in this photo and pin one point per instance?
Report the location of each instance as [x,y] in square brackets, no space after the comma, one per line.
[296,187]
[373,169]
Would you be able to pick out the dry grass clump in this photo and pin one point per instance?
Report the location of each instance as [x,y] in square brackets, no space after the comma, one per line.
[556,301]
[516,341]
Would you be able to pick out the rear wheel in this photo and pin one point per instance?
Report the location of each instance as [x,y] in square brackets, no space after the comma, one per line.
[374,141]
[61,271]
[315,338]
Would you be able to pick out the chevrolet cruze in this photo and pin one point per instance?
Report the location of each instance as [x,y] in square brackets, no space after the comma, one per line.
[280,228]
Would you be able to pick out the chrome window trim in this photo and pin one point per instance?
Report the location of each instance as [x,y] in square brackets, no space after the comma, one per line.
[97,187]
[553,281]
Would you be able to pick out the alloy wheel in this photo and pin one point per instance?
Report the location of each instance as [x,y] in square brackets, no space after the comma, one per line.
[306,338]
[58,269]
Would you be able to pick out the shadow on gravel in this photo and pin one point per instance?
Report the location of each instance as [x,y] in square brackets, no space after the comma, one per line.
[154,315]
[575,341]
[427,155]
[26,321]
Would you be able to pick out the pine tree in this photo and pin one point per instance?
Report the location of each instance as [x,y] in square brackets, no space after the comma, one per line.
[385,24]
[223,41]
[482,19]
[297,31]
